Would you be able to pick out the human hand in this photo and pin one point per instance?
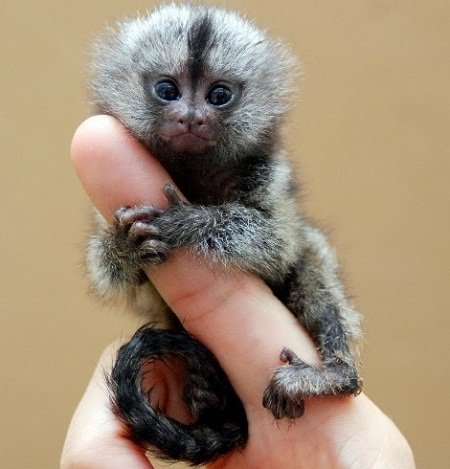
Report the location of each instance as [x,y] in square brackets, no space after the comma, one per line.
[237,317]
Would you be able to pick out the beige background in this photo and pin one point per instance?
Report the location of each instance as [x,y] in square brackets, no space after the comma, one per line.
[370,137]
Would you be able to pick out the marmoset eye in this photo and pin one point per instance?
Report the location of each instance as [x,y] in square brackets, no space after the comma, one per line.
[219,95]
[167,90]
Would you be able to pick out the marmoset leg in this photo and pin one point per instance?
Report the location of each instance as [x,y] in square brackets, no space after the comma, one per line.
[315,295]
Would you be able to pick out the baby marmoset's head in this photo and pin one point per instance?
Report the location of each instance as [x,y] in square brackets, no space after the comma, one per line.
[193,80]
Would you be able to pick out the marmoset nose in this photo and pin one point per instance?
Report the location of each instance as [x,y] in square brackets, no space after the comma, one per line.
[197,120]
[190,120]
[191,123]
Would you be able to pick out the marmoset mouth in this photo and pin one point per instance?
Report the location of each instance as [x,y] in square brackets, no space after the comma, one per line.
[188,142]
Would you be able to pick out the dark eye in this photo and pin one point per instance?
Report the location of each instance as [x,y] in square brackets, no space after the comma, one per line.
[167,90]
[219,95]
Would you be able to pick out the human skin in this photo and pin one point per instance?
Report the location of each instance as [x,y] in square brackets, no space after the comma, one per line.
[239,319]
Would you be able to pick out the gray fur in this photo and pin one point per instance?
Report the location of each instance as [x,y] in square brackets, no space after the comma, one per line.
[242,211]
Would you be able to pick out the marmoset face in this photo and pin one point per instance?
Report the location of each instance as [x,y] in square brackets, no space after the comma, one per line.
[193,81]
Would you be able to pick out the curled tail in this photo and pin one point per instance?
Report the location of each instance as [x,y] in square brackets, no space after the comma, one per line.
[220,422]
